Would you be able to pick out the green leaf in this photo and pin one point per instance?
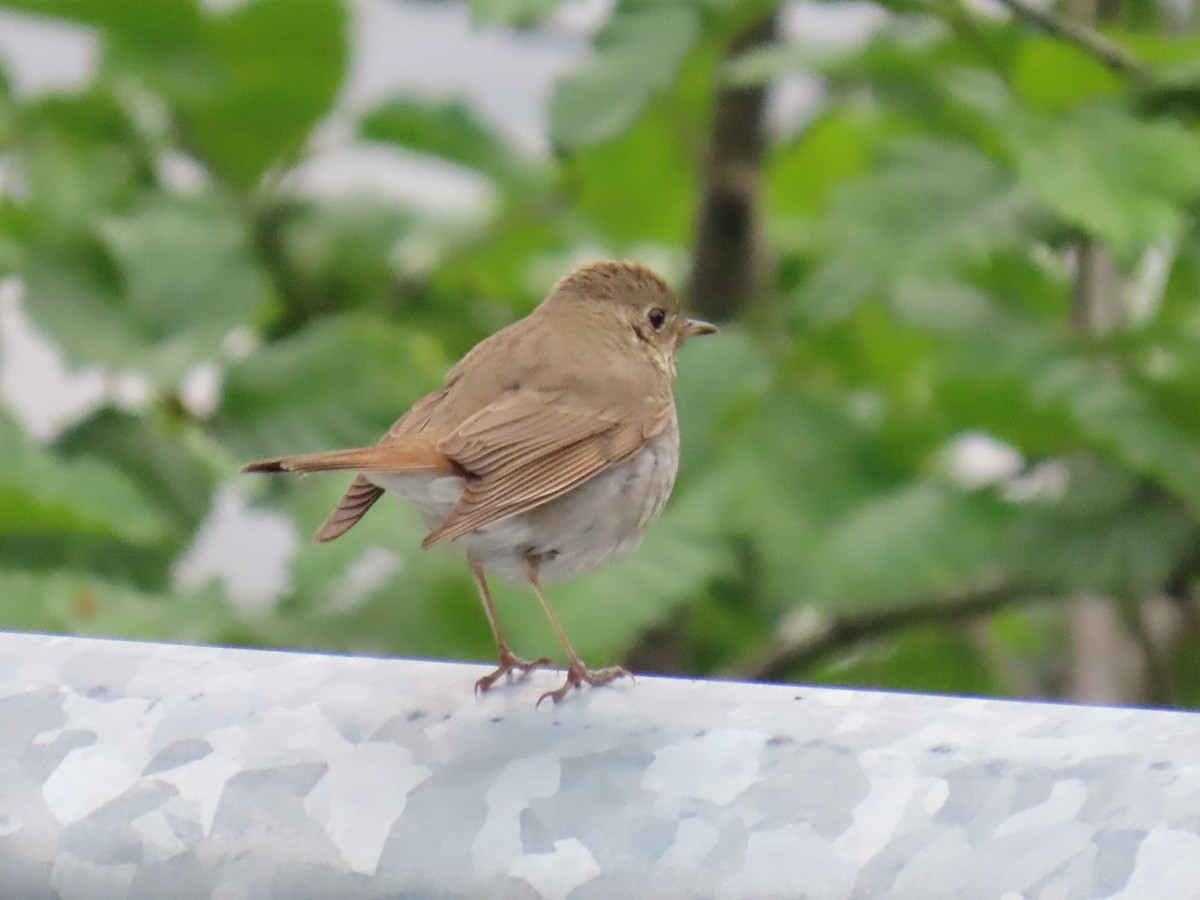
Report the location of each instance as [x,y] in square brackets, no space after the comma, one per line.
[647,160]
[513,13]
[1184,657]
[78,157]
[641,186]
[786,468]
[80,603]
[636,55]
[155,18]
[870,352]
[449,130]
[931,659]
[987,385]
[1035,286]
[1053,76]
[765,64]
[924,538]
[1118,178]
[1119,422]
[168,281]
[1160,48]
[154,455]
[43,493]
[1108,534]
[718,380]
[834,148]
[1173,88]
[187,267]
[71,297]
[907,232]
[496,262]
[337,256]
[155,41]
[1036,391]
[279,65]
[340,382]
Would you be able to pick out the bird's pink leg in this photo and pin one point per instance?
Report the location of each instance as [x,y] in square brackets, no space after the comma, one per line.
[577,672]
[508,662]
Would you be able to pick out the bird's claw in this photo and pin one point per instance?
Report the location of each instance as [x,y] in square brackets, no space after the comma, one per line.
[579,674]
[509,664]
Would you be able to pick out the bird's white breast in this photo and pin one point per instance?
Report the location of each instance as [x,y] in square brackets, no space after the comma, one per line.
[598,522]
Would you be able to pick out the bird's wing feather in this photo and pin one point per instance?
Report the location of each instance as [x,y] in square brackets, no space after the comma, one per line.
[359,497]
[527,448]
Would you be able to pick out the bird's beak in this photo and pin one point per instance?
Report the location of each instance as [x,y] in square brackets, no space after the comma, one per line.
[695,328]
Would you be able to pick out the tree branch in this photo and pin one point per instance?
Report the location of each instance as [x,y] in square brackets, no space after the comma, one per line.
[1159,679]
[725,254]
[1090,41]
[839,632]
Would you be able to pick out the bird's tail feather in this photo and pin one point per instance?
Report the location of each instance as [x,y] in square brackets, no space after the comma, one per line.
[407,456]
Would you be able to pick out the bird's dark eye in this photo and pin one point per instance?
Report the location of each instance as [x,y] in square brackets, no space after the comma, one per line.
[656,317]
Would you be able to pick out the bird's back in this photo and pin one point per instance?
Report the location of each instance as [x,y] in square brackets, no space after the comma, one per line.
[541,357]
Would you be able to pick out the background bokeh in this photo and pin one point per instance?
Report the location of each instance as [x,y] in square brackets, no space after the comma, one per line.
[948,438]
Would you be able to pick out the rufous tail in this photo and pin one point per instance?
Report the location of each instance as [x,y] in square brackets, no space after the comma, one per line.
[409,456]
[395,458]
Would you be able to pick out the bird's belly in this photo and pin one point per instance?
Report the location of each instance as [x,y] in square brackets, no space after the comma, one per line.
[433,496]
[599,522]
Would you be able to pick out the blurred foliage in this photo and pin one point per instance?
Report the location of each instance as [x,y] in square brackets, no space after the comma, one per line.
[923,228]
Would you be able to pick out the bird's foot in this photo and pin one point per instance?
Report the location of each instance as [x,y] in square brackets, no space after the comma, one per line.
[579,674]
[508,665]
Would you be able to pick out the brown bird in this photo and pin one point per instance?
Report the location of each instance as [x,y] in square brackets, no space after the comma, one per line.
[550,448]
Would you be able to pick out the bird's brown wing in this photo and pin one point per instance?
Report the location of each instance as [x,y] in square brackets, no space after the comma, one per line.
[525,450]
[359,497]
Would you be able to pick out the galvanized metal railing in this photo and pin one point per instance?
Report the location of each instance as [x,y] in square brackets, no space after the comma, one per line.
[151,770]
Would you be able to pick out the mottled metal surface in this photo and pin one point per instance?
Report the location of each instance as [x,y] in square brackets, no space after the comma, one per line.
[155,771]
